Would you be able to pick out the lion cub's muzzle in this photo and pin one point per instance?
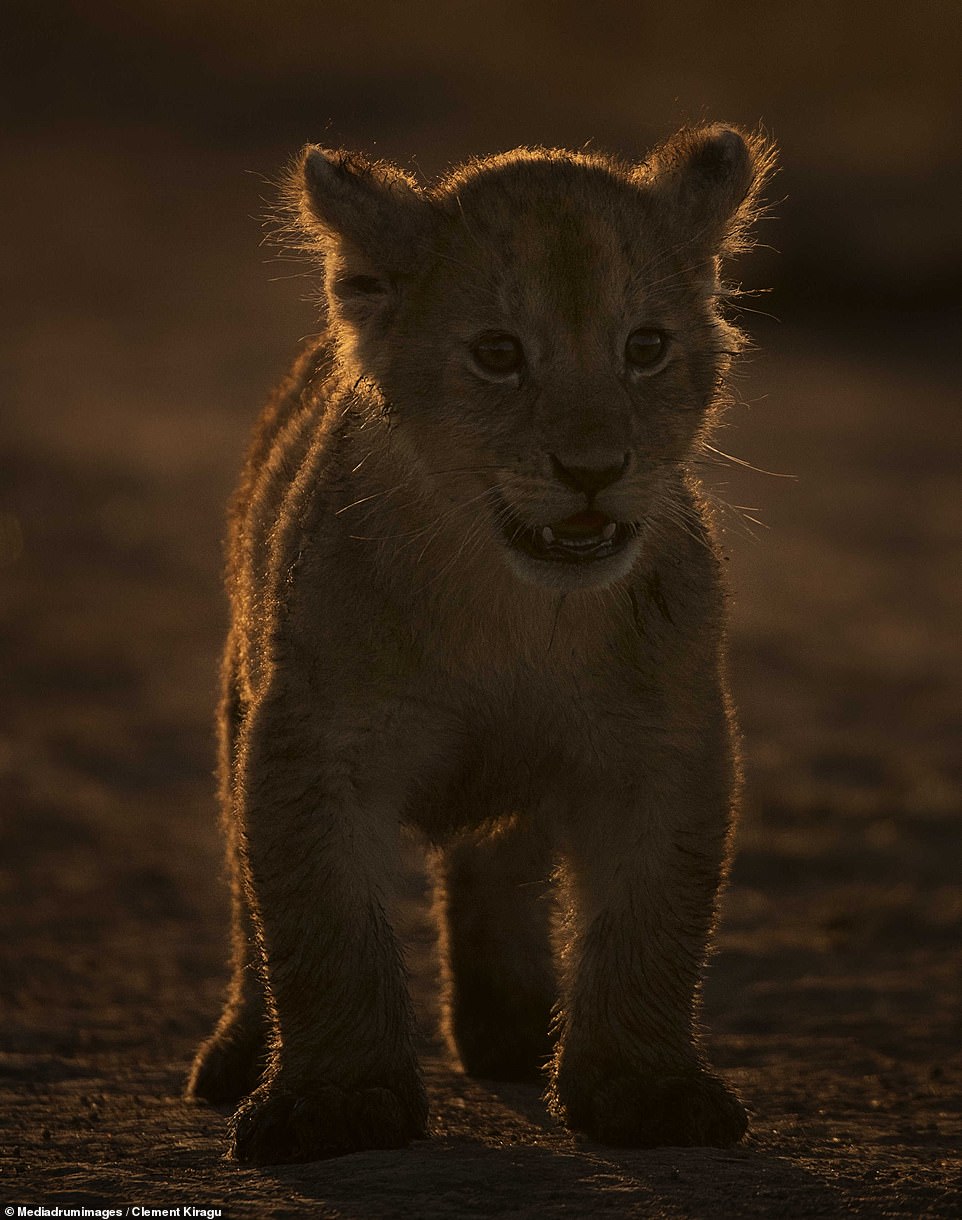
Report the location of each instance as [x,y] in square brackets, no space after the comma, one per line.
[584,537]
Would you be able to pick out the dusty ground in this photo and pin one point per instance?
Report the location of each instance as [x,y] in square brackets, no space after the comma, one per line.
[834,1000]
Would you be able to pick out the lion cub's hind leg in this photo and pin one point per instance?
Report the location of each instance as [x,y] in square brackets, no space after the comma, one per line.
[230,1063]
[498,977]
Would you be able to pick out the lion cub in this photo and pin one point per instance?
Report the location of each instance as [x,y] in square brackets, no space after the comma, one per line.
[475,591]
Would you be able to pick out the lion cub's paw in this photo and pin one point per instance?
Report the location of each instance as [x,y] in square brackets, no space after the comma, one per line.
[276,1126]
[683,1108]
[227,1068]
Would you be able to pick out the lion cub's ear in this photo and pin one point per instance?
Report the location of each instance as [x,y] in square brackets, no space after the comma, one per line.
[368,219]
[708,180]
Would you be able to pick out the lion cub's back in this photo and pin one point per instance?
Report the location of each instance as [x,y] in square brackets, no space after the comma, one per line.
[280,440]
[292,396]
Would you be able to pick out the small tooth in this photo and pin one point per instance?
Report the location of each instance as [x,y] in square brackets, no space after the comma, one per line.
[547,534]
[609,530]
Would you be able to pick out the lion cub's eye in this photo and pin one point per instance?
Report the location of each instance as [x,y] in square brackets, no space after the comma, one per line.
[644,348]
[498,353]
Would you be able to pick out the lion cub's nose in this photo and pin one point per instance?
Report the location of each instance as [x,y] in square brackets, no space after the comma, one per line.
[588,479]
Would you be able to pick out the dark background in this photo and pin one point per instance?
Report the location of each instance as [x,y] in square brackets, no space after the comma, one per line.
[141,324]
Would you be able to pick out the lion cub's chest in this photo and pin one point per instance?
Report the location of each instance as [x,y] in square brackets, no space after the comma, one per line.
[526,744]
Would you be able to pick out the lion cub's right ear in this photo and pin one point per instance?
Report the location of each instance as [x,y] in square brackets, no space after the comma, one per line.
[369,220]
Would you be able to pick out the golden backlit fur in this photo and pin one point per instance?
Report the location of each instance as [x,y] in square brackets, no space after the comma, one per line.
[412,644]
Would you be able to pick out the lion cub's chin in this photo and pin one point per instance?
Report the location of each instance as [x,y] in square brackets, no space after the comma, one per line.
[566,577]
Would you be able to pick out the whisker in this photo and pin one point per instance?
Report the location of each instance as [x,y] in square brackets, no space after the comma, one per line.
[363,500]
[471,536]
[445,516]
[735,512]
[775,474]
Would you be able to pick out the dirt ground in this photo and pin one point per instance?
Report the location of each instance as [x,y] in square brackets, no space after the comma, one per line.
[834,999]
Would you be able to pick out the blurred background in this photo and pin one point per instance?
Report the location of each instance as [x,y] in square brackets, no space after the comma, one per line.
[142,322]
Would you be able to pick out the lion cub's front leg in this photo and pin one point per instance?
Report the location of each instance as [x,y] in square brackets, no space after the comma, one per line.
[342,1075]
[642,883]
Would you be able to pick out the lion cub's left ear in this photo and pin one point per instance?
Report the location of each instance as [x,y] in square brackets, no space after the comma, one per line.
[708,180]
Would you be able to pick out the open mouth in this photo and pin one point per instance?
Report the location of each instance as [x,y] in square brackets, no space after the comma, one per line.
[583,538]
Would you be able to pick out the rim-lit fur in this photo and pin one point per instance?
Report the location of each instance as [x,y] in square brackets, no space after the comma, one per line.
[561,731]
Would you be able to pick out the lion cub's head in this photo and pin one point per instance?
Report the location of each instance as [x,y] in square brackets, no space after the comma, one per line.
[544,329]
